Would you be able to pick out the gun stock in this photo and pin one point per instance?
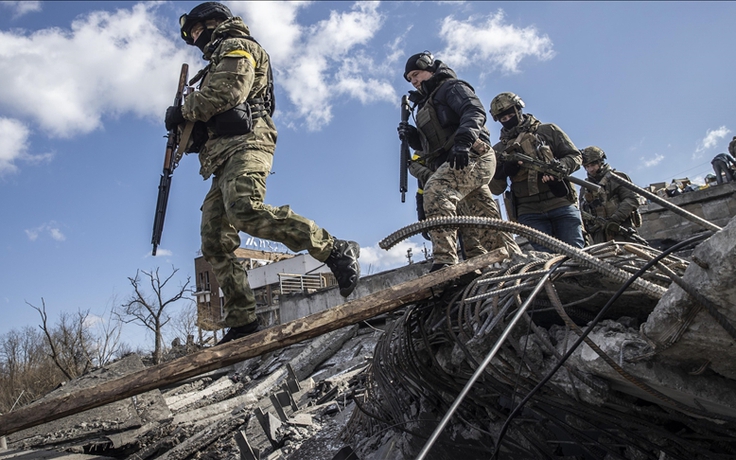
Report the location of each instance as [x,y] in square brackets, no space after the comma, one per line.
[170,163]
[404,167]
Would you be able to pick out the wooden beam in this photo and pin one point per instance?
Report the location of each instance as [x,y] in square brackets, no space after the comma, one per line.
[256,344]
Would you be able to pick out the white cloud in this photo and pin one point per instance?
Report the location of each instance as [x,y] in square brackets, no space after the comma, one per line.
[161,253]
[108,63]
[50,228]
[711,139]
[13,143]
[22,8]
[492,43]
[375,259]
[652,161]
[14,146]
[331,69]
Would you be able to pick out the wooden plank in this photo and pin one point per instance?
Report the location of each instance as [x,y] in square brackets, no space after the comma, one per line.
[256,344]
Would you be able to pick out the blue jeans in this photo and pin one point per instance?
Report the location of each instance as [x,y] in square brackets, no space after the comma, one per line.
[563,223]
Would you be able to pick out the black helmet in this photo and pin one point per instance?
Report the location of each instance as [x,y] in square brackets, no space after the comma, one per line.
[201,13]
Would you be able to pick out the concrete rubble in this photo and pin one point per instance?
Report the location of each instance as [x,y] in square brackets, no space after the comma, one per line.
[655,378]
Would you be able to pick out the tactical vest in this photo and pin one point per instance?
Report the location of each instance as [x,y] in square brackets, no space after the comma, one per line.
[239,119]
[436,139]
[604,203]
[535,148]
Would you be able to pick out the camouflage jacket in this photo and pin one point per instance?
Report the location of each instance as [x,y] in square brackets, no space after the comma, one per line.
[238,71]
[614,202]
[562,148]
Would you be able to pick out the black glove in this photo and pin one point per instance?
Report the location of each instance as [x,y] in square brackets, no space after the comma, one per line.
[406,131]
[458,159]
[173,117]
[511,168]
[612,228]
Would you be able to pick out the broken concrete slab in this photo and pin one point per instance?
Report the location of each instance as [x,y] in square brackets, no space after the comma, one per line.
[115,417]
[704,339]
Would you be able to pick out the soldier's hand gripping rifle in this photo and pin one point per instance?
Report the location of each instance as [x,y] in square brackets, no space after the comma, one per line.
[514,153]
[612,227]
[171,161]
[405,154]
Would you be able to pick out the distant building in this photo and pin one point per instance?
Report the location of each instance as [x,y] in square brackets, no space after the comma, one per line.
[270,274]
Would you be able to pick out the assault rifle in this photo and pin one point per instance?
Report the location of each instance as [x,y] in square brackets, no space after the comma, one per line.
[627,232]
[171,161]
[515,153]
[405,154]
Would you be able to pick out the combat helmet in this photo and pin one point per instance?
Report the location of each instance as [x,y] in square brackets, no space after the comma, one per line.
[592,154]
[504,102]
[201,13]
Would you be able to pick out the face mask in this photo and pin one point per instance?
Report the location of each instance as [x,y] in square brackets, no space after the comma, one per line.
[510,123]
[203,39]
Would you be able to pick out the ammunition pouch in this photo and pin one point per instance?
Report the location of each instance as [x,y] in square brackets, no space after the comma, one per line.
[233,122]
[199,137]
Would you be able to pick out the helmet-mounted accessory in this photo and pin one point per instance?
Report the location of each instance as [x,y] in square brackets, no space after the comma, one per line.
[201,13]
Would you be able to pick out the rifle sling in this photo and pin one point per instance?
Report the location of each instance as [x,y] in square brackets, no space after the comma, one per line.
[186,134]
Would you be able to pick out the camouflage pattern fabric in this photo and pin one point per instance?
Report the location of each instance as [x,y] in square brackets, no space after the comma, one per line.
[480,203]
[443,194]
[239,166]
[235,203]
[238,71]
[614,203]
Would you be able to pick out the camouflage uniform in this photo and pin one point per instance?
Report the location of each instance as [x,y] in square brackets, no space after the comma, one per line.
[480,202]
[613,204]
[535,203]
[239,165]
[449,115]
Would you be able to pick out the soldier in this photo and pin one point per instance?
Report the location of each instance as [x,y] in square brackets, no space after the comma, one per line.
[612,213]
[235,100]
[455,148]
[732,147]
[542,202]
[723,165]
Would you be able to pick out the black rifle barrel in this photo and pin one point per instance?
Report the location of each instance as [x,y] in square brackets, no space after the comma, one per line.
[405,155]
[164,185]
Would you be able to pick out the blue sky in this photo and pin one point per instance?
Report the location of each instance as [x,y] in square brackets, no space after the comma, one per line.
[86,84]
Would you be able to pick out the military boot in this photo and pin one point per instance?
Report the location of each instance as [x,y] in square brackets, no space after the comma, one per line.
[343,261]
[238,332]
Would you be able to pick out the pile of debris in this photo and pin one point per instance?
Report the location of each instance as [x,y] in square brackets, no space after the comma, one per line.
[618,351]
[272,406]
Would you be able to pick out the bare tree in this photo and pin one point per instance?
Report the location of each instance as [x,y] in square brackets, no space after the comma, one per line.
[184,324]
[26,370]
[149,310]
[80,342]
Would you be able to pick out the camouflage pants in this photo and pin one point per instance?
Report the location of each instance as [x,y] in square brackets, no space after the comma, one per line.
[450,192]
[235,203]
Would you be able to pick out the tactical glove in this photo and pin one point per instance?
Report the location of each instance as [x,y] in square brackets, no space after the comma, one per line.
[458,159]
[173,117]
[612,228]
[406,131]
